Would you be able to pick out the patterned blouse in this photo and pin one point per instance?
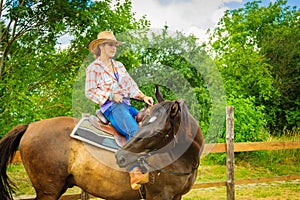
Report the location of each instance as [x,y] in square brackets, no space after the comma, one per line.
[100,82]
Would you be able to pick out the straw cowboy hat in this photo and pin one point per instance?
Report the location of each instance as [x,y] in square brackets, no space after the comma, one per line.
[103,37]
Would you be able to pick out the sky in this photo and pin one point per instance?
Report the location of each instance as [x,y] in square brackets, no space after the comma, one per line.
[189,16]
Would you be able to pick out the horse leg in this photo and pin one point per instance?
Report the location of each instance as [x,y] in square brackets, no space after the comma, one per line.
[48,190]
[49,183]
[44,196]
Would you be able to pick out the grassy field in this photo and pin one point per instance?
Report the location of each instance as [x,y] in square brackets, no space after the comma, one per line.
[271,190]
[210,173]
[212,168]
[268,191]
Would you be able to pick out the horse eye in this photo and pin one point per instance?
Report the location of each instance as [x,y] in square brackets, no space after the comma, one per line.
[152,119]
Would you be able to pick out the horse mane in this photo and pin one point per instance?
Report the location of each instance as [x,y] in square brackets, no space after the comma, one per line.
[188,141]
[185,120]
[190,132]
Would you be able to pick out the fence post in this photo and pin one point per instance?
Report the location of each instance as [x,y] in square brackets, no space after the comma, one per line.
[230,191]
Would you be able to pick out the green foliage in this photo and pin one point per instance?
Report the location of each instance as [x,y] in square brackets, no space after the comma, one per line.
[249,125]
[249,120]
[35,89]
[293,115]
[182,69]
[281,45]
[254,49]
[257,53]
[37,79]
[42,22]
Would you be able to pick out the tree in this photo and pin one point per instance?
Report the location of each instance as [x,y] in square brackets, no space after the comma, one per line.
[182,69]
[37,79]
[247,44]
[44,19]
[281,46]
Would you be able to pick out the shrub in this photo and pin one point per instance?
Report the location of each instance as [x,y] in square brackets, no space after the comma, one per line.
[249,120]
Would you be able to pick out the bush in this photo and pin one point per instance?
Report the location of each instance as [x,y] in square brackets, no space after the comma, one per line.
[249,120]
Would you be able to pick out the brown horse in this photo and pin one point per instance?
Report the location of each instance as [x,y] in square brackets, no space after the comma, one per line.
[169,145]
[55,162]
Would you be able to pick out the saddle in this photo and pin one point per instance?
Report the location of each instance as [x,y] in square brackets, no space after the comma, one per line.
[103,124]
[100,122]
[96,130]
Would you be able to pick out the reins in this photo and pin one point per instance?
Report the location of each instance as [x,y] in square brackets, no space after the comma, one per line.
[178,173]
[146,166]
[134,99]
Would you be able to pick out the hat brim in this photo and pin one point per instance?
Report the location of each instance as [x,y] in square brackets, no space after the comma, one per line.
[93,44]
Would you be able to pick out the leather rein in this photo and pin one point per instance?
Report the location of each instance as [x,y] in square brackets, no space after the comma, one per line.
[146,166]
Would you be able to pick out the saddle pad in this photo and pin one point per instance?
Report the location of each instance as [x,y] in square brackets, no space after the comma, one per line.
[86,132]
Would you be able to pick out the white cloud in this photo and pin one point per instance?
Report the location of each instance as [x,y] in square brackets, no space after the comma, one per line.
[64,41]
[188,16]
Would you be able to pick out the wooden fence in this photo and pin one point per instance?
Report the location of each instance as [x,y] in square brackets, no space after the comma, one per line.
[229,148]
[220,148]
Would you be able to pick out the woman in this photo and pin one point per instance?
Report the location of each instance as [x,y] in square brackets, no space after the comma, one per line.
[109,85]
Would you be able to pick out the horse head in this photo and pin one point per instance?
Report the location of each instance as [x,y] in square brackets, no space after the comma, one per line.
[163,128]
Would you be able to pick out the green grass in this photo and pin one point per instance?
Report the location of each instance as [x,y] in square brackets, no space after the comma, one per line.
[267,191]
[209,173]
[253,165]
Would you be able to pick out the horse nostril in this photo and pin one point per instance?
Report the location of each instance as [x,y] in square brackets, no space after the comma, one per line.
[122,161]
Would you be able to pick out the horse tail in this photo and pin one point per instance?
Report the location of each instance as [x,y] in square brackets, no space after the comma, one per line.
[8,147]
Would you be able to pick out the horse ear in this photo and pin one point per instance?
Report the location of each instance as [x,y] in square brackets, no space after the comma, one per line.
[175,109]
[158,95]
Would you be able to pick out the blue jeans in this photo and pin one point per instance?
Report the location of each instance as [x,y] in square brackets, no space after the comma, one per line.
[121,117]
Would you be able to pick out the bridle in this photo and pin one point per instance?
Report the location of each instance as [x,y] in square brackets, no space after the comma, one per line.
[146,167]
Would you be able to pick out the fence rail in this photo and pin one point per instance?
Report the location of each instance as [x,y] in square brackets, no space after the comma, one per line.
[252,146]
[247,181]
[238,147]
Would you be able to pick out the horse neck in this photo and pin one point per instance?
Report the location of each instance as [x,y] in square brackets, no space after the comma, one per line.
[189,138]
[181,156]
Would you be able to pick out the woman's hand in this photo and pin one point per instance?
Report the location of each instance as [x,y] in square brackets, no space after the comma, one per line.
[117,98]
[148,100]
